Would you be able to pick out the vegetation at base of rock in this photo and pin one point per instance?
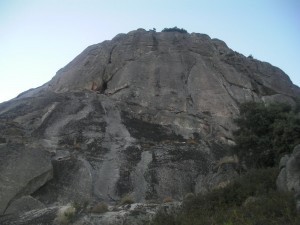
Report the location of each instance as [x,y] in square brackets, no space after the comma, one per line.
[65,215]
[167,199]
[265,133]
[80,206]
[175,29]
[250,199]
[101,207]
[126,200]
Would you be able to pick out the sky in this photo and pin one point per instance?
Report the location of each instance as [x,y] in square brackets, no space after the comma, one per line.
[38,37]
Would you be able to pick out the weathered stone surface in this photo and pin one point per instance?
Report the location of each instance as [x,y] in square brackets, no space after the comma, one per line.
[279,98]
[24,204]
[181,80]
[134,214]
[289,177]
[23,171]
[44,216]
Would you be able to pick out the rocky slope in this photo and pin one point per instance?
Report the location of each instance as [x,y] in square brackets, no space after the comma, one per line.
[147,114]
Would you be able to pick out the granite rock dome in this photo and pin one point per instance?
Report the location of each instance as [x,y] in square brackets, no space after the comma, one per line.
[149,114]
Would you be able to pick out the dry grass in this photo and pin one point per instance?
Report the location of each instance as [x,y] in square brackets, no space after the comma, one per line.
[65,214]
[126,200]
[167,199]
[101,207]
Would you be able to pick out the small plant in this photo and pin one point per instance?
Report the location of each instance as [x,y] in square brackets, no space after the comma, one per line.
[167,199]
[101,207]
[76,205]
[250,56]
[192,141]
[126,200]
[65,214]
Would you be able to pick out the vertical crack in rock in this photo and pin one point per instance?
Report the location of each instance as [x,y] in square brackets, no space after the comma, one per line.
[189,69]
[110,54]
[189,97]
[154,42]
[223,82]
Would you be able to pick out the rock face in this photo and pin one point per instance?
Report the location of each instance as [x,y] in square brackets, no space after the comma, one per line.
[147,114]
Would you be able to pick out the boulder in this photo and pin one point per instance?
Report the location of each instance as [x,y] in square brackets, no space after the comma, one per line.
[45,216]
[24,204]
[23,171]
[289,176]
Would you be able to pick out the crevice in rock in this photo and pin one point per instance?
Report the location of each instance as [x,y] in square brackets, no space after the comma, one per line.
[104,87]
[108,76]
[110,54]
[189,71]
[155,43]
[115,90]
[228,91]
[189,98]
[223,80]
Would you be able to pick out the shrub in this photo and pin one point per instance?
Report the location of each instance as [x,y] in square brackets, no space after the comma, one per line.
[126,200]
[250,56]
[265,133]
[227,205]
[167,199]
[80,205]
[192,141]
[101,207]
[174,29]
[65,214]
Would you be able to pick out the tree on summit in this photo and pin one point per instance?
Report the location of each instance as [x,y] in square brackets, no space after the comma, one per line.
[174,29]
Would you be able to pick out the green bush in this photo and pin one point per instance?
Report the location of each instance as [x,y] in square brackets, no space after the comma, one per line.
[227,206]
[174,29]
[265,133]
[65,214]
[126,200]
[101,207]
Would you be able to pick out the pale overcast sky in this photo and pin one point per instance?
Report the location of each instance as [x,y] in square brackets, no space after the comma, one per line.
[38,37]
